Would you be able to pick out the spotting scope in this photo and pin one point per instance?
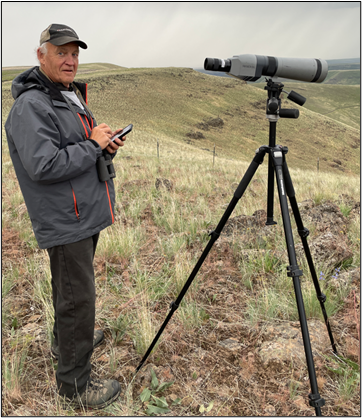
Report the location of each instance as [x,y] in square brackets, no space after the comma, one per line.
[250,67]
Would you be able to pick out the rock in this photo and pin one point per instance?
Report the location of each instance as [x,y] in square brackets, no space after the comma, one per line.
[213,123]
[283,343]
[163,184]
[306,205]
[195,135]
[328,250]
[231,344]
[326,217]
[31,326]
[143,377]
[245,224]
[270,411]
[356,210]
[216,123]
[344,279]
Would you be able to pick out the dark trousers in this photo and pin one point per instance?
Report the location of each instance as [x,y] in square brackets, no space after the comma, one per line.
[74,312]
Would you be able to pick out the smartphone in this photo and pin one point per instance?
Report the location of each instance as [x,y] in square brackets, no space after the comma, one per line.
[124,132]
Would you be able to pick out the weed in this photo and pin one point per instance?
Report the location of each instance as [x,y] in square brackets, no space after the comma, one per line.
[348,373]
[155,404]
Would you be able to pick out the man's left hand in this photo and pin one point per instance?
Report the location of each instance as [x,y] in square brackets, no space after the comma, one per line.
[118,142]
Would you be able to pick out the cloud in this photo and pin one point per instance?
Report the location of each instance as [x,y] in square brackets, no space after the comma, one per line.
[156,34]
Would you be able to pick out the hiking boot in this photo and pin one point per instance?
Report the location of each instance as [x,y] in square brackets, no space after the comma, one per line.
[97,395]
[98,338]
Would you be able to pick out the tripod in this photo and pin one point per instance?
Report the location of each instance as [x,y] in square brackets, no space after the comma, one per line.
[278,167]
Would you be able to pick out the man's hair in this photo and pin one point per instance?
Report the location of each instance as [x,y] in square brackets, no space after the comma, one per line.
[43,49]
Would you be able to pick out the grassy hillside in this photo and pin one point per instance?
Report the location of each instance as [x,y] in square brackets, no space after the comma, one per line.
[339,102]
[164,210]
[346,77]
[176,105]
[183,108]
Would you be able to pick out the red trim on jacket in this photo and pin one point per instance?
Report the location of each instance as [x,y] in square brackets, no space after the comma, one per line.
[85,129]
[75,205]
[110,204]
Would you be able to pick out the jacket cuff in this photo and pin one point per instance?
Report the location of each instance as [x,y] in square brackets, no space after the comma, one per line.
[95,143]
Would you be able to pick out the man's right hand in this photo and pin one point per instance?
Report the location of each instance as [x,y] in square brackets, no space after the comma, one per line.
[101,134]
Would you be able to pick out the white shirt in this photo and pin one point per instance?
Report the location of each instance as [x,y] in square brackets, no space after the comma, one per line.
[72,96]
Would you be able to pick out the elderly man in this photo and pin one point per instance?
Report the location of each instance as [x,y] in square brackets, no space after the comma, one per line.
[54,143]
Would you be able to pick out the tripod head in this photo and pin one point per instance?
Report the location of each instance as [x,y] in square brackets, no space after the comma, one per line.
[273,107]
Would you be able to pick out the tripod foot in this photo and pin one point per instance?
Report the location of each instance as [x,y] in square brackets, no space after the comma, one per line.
[270,221]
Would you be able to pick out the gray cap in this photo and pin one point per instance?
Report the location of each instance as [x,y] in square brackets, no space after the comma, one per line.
[58,34]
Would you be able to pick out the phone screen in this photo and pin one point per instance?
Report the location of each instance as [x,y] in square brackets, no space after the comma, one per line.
[124,132]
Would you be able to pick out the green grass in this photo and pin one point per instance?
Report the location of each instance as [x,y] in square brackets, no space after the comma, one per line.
[345,77]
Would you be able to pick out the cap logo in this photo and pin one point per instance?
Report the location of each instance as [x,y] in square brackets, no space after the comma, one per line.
[62,30]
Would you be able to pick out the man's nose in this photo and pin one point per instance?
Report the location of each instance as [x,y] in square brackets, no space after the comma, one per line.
[70,60]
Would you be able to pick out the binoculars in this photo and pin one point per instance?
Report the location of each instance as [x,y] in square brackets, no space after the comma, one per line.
[105,167]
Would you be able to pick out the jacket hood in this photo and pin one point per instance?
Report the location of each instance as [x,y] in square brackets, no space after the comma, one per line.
[26,81]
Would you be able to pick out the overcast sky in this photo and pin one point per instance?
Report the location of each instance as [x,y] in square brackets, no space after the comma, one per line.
[172,34]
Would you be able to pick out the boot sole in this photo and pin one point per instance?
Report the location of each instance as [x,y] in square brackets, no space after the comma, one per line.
[55,356]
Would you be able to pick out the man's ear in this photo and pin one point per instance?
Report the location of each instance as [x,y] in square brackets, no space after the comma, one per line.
[40,56]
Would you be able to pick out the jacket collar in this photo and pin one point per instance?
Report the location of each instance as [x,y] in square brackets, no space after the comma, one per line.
[56,88]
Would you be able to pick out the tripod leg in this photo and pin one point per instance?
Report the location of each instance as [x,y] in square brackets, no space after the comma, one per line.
[315,399]
[258,159]
[303,233]
[270,201]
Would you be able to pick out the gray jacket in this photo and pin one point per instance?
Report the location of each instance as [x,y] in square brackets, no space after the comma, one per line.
[54,164]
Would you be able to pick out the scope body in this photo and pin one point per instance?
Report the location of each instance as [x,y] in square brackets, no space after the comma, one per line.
[251,67]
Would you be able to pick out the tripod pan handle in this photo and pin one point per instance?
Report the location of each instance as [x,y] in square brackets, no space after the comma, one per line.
[289,113]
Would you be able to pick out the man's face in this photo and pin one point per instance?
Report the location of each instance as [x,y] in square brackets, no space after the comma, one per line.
[60,63]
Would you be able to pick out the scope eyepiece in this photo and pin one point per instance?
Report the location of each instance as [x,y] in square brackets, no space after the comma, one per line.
[216,64]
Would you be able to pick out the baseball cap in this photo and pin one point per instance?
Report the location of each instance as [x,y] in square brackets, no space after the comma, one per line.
[58,34]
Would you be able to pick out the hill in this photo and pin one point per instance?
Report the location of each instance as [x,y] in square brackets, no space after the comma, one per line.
[184,108]
[234,346]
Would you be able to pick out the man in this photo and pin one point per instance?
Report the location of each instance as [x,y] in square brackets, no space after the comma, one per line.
[54,143]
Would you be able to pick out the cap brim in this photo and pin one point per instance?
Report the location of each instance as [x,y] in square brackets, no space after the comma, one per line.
[66,40]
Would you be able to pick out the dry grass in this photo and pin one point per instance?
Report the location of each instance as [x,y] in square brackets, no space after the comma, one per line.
[141,264]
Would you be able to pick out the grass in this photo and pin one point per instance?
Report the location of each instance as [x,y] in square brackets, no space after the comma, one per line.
[167,104]
[144,259]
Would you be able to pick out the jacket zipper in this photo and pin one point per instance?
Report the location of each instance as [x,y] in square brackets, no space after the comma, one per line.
[109,198]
